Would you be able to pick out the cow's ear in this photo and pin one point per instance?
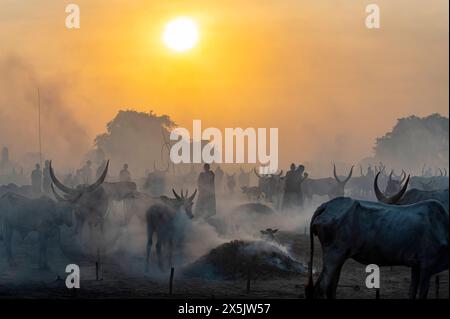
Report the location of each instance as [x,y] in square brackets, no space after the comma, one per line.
[274,231]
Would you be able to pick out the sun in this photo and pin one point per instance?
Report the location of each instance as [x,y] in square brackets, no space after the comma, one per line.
[181,34]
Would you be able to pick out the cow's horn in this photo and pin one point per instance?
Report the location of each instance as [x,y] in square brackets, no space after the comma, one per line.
[389,200]
[191,198]
[100,180]
[60,185]
[256,173]
[176,195]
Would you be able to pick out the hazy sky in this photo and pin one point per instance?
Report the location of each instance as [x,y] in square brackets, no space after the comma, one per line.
[310,68]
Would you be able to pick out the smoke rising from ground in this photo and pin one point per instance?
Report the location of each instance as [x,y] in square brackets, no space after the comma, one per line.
[64,139]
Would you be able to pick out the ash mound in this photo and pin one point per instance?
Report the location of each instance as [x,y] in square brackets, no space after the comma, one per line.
[232,261]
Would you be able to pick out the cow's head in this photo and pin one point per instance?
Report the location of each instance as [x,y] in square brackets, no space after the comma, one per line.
[182,203]
[269,233]
[386,199]
[394,184]
[72,195]
[339,188]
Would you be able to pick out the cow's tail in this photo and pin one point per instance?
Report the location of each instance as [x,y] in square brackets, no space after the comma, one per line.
[309,287]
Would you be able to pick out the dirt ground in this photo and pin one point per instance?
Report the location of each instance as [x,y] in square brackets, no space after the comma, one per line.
[120,280]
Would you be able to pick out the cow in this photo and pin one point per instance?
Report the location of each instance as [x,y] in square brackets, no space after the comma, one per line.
[90,201]
[155,184]
[414,236]
[25,215]
[244,178]
[268,234]
[411,196]
[326,186]
[271,185]
[24,190]
[166,218]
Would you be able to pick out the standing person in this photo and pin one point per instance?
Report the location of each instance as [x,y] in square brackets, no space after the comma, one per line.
[47,181]
[300,178]
[290,196]
[124,175]
[206,203]
[36,180]
[219,177]
[87,172]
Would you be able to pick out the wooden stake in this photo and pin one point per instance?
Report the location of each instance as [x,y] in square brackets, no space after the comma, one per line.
[248,280]
[172,270]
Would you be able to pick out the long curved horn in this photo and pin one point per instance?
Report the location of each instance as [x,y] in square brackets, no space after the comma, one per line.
[191,198]
[57,196]
[256,173]
[61,199]
[100,180]
[440,172]
[60,185]
[281,173]
[404,176]
[445,171]
[349,175]
[176,195]
[390,175]
[389,200]
[335,175]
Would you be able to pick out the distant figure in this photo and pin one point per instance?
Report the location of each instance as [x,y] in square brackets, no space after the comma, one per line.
[47,181]
[124,175]
[86,173]
[231,183]
[6,166]
[370,174]
[206,203]
[290,198]
[244,178]
[36,180]
[69,180]
[219,177]
[301,176]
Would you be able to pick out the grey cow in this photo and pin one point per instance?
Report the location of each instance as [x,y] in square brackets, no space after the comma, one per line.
[414,236]
[24,215]
[166,219]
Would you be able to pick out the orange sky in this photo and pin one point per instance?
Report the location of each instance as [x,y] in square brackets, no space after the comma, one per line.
[310,68]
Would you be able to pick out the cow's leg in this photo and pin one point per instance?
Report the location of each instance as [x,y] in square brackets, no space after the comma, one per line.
[43,251]
[7,234]
[149,246]
[415,277]
[170,252]
[332,263]
[158,252]
[331,294]
[424,282]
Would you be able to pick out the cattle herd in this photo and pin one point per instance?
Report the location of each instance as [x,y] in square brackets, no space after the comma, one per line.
[377,217]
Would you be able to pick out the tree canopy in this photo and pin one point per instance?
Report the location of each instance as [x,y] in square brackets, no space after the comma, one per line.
[135,138]
[414,142]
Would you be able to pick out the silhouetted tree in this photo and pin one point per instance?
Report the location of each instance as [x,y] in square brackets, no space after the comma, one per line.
[415,141]
[135,138]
